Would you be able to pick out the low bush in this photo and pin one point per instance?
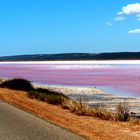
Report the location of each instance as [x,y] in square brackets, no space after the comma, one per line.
[78,107]
[122,112]
[104,115]
[43,90]
[17,84]
[74,107]
[54,99]
[49,97]
[33,94]
[81,107]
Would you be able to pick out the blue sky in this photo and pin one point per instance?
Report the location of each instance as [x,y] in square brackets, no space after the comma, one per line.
[62,26]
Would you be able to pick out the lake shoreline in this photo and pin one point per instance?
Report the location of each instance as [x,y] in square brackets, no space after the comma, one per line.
[94,96]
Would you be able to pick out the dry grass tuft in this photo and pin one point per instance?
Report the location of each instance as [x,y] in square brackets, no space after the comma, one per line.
[122,112]
[134,121]
[104,115]
[81,108]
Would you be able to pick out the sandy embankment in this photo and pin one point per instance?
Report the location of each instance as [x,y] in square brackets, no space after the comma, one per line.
[89,127]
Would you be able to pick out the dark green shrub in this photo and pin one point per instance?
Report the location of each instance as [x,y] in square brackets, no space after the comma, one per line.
[17,84]
[54,99]
[42,97]
[42,90]
[33,94]
[50,97]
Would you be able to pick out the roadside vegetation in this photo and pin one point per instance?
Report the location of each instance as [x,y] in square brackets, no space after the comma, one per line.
[17,84]
[46,96]
[79,107]
[34,93]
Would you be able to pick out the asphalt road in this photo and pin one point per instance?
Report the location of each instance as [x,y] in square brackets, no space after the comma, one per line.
[16,124]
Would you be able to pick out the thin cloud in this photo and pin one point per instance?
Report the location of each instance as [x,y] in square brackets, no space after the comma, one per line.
[138,17]
[119,18]
[135,31]
[109,23]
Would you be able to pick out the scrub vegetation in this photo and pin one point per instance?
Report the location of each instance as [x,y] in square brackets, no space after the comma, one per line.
[17,84]
[79,107]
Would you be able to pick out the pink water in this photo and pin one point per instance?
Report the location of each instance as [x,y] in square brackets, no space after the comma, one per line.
[124,78]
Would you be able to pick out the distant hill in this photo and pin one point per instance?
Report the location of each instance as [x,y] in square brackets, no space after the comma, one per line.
[74,56]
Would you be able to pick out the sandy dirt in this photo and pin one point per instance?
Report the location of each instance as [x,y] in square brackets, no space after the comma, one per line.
[89,127]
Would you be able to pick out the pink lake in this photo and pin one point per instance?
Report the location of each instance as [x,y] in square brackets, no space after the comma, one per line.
[121,79]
